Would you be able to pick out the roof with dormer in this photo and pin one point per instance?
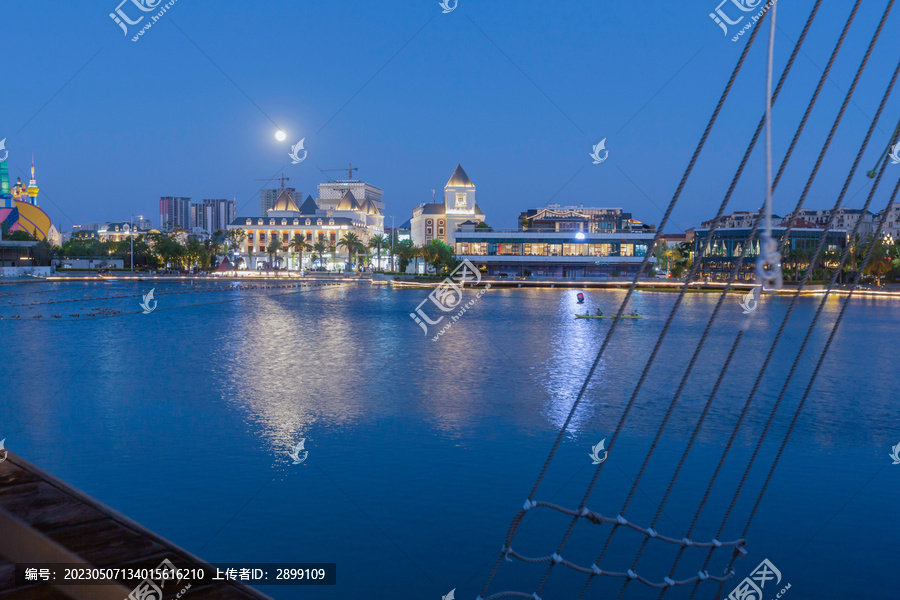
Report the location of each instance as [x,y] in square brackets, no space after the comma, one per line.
[285,202]
[347,202]
[459,179]
[369,207]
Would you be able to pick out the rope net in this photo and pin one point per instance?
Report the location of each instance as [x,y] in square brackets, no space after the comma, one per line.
[648,531]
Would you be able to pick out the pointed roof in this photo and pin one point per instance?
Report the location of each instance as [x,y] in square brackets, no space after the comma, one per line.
[309,206]
[225,265]
[370,207]
[459,178]
[347,202]
[285,202]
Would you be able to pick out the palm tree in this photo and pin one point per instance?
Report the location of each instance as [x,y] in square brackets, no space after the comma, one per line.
[352,243]
[376,243]
[273,248]
[405,250]
[299,245]
[319,249]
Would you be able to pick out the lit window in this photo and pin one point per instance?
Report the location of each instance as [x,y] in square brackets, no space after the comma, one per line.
[249,222]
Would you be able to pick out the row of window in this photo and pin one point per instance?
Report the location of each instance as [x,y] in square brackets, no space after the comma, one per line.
[286,237]
[285,221]
[546,249]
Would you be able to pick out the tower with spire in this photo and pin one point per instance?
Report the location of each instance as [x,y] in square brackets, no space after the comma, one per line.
[33,188]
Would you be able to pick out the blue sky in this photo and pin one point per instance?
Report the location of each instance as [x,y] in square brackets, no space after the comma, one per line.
[517,92]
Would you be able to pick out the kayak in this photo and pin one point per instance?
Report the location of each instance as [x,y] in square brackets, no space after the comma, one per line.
[608,317]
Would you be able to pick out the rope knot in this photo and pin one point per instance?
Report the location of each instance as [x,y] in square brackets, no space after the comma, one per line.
[597,570]
[669,581]
[584,511]
[621,520]
[529,504]
[703,575]
[687,541]
[556,558]
[717,543]
[632,574]
[768,264]
[651,532]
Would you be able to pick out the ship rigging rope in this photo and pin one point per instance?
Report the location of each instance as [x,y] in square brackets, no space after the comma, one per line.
[802,284]
[555,558]
[518,518]
[830,339]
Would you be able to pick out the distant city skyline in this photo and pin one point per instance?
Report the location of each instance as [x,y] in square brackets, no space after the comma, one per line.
[518,92]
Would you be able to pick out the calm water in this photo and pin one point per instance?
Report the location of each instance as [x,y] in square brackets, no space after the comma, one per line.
[421,452]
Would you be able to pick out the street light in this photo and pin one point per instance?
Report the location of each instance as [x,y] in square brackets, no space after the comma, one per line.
[393,233]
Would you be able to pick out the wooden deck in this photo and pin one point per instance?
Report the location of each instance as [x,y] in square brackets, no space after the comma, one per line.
[45,520]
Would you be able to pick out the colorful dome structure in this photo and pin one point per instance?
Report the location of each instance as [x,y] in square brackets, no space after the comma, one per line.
[19,209]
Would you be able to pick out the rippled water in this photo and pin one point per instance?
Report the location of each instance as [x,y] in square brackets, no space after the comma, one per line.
[421,452]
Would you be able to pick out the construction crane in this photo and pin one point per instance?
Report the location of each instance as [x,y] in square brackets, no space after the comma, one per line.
[282,179]
[349,170]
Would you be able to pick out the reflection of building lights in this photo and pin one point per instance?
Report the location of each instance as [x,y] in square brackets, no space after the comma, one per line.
[579,236]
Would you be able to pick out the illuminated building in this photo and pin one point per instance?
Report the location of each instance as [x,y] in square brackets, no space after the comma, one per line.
[19,209]
[285,220]
[440,220]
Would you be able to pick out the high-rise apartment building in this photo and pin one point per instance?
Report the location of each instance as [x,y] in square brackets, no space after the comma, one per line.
[174,211]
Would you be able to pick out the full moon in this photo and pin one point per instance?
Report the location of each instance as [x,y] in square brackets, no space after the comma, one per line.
[280,136]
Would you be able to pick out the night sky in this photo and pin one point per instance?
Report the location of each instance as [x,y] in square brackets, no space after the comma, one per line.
[517,92]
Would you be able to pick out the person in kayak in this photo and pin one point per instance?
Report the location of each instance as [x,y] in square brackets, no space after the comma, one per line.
[599,313]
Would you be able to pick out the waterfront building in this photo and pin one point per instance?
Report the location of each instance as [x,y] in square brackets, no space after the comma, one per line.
[739,219]
[721,250]
[440,220]
[846,218]
[331,193]
[174,211]
[267,199]
[19,210]
[569,254]
[118,232]
[572,218]
[285,220]
[891,228]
